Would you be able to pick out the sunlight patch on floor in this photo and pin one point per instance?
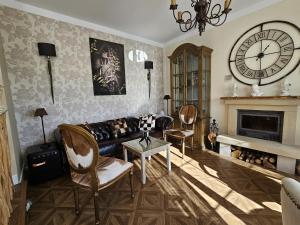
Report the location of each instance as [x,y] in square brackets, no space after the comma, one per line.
[243,203]
[229,217]
[273,206]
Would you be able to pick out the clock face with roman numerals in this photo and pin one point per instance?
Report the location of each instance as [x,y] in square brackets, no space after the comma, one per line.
[266,53]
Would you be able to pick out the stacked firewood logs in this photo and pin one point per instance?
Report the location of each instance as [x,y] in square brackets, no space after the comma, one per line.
[254,157]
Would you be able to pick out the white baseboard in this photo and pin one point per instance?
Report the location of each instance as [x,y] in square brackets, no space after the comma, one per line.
[15,179]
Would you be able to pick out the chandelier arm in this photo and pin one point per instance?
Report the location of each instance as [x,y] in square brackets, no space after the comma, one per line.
[183,30]
[174,15]
[189,16]
[215,12]
[208,6]
[216,24]
[189,23]
[194,2]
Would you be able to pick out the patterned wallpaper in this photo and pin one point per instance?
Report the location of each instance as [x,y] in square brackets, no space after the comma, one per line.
[73,88]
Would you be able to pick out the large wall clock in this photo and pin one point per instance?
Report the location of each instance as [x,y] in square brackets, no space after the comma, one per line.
[265,53]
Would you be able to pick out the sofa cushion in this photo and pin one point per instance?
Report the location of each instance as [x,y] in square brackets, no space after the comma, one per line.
[89,129]
[102,131]
[133,124]
[119,128]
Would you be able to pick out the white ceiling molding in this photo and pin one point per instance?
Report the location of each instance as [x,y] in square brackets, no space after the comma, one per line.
[232,17]
[58,16]
[69,19]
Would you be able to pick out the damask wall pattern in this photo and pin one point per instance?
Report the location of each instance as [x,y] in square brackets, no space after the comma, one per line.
[73,87]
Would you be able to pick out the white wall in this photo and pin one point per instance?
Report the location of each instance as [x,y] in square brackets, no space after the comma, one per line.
[222,38]
[72,77]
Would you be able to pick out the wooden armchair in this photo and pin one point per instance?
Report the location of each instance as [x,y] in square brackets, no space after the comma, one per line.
[88,169]
[187,117]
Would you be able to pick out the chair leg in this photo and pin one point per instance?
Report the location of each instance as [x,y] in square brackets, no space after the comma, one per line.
[76,199]
[96,206]
[192,143]
[131,182]
[183,147]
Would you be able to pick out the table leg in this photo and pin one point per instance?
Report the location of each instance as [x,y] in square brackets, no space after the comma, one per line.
[125,154]
[149,157]
[143,169]
[168,159]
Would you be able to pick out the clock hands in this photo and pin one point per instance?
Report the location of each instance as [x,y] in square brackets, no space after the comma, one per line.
[266,48]
[262,54]
[256,56]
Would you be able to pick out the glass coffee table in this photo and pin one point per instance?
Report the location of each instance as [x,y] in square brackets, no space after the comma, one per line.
[141,149]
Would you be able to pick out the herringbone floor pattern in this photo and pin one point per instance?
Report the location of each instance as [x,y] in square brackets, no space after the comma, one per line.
[202,189]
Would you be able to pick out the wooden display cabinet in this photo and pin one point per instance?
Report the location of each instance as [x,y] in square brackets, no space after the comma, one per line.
[190,75]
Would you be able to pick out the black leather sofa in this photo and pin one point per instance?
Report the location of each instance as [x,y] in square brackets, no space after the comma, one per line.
[109,140]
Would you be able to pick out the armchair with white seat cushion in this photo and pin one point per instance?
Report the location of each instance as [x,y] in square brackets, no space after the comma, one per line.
[290,201]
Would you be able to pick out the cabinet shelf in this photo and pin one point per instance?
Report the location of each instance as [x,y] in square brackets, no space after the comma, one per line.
[178,74]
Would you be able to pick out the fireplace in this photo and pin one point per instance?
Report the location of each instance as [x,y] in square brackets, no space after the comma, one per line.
[260,124]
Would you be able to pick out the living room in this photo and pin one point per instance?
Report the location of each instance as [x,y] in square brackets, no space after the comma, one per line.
[183,105]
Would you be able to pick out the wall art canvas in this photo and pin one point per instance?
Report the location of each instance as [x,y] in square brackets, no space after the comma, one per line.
[108,69]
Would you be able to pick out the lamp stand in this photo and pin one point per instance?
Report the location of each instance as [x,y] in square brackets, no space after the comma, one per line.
[43,131]
[149,81]
[50,74]
[167,106]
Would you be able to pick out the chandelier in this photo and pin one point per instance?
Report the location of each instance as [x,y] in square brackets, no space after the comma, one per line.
[206,12]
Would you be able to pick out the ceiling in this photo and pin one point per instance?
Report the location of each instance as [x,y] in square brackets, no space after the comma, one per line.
[148,19]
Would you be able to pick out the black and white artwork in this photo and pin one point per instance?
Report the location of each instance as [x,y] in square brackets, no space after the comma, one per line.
[107,59]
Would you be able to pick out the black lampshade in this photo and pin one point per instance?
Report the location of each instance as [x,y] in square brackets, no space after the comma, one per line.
[148,65]
[46,49]
[167,97]
[40,112]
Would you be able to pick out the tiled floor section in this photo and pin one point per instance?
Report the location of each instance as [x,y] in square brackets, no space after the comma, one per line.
[203,189]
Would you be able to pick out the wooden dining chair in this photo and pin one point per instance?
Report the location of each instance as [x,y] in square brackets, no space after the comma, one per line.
[88,169]
[187,116]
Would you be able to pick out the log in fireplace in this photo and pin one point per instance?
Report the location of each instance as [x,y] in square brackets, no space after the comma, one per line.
[260,124]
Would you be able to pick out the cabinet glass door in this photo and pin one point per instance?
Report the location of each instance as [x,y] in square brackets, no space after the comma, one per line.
[205,84]
[177,83]
[192,80]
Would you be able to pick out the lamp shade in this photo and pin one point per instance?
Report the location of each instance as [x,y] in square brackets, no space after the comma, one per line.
[40,112]
[167,97]
[148,65]
[46,49]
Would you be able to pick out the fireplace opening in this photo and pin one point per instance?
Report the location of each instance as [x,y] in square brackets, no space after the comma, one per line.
[260,124]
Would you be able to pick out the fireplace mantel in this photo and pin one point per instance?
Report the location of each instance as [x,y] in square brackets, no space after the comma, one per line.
[262,97]
[262,100]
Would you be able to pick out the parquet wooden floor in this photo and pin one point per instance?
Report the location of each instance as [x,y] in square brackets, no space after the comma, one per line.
[202,189]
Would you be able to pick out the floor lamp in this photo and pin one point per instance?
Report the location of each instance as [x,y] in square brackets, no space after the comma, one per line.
[167,97]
